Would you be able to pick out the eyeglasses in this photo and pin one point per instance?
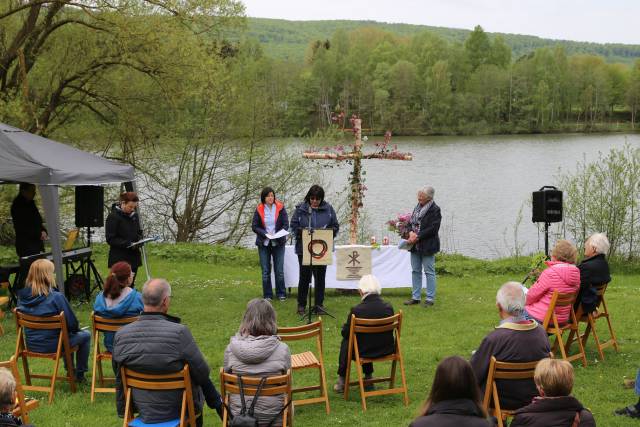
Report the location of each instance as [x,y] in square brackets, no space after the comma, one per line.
[314,198]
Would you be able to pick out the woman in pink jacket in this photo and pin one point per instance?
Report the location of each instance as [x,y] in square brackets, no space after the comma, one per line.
[562,276]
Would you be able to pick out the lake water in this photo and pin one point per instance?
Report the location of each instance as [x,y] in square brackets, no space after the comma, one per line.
[481,184]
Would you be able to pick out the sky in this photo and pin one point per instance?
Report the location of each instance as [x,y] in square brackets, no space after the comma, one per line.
[610,21]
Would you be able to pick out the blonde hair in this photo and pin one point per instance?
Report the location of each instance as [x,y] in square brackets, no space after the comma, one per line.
[7,388]
[554,377]
[41,277]
[565,251]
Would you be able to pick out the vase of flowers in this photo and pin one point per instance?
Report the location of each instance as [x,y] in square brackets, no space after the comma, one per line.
[401,225]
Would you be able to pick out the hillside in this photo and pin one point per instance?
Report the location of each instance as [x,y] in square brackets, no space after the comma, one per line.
[289,39]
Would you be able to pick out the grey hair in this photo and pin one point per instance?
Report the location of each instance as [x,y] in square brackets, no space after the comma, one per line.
[155,291]
[599,243]
[427,191]
[7,388]
[259,319]
[369,284]
[511,298]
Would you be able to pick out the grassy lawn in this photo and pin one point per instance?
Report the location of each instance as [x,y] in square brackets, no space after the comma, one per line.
[210,298]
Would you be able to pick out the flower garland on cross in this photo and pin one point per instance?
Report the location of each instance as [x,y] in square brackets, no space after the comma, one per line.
[384,151]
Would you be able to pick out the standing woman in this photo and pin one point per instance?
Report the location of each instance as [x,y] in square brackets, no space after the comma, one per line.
[269,218]
[318,214]
[122,228]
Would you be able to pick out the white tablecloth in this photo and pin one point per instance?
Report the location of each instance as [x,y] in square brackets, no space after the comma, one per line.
[390,265]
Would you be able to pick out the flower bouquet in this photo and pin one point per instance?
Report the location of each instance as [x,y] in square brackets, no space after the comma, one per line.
[401,226]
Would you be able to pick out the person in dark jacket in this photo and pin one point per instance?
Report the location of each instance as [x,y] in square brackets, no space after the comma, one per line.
[555,406]
[594,270]
[118,299]
[372,306]
[41,298]
[269,218]
[423,234]
[8,398]
[516,339]
[454,399]
[314,212]
[157,343]
[27,222]
[121,229]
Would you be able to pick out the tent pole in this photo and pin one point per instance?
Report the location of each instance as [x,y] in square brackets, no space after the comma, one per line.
[50,202]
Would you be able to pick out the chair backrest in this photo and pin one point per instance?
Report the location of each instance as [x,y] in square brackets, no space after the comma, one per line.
[105,324]
[559,300]
[72,236]
[12,366]
[376,326]
[505,371]
[55,322]
[296,333]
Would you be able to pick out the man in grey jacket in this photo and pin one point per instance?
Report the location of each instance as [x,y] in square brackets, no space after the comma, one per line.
[157,343]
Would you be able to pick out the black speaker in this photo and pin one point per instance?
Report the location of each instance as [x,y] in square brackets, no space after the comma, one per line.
[89,206]
[547,205]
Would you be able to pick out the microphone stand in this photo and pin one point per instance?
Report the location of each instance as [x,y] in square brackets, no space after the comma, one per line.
[311,275]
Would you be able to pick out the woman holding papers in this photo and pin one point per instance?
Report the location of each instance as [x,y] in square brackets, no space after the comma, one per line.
[270,223]
[122,228]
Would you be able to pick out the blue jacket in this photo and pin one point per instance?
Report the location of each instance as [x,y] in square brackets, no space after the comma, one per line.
[130,306]
[258,226]
[44,341]
[322,217]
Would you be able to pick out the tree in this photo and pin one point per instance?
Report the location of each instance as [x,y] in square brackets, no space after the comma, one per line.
[633,93]
[477,47]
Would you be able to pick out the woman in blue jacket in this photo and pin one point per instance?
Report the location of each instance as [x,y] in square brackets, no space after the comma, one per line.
[118,298]
[318,214]
[41,298]
[269,218]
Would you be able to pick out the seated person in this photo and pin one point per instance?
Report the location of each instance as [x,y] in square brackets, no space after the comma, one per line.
[372,306]
[594,270]
[118,299]
[41,298]
[256,351]
[515,339]
[554,406]
[454,399]
[158,344]
[8,398]
[562,276]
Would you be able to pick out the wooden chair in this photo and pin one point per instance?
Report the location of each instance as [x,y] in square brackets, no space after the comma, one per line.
[503,371]
[374,326]
[590,319]
[552,327]
[23,405]
[308,360]
[4,300]
[180,380]
[273,386]
[64,349]
[99,325]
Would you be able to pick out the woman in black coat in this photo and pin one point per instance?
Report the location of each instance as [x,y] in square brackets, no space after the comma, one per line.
[122,228]
[454,399]
[594,270]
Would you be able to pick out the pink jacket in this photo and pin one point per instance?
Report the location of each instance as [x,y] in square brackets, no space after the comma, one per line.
[560,276]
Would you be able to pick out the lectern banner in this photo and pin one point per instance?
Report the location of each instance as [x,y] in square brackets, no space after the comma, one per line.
[319,249]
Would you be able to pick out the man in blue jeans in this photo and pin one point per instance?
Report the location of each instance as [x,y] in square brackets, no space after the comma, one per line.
[423,234]
[633,410]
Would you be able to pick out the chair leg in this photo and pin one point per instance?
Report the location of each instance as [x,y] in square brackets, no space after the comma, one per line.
[361,384]
[347,376]
[392,377]
[323,390]
[496,401]
[404,381]
[71,373]
[52,387]
[596,339]
[95,370]
[560,344]
[612,334]
[25,368]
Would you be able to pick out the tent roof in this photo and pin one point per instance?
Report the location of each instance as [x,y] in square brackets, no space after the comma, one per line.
[25,157]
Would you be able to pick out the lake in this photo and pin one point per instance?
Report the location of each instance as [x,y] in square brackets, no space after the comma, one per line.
[481,183]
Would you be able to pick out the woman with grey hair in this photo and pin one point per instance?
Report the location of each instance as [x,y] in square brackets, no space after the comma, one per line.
[257,351]
[594,270]
[423,234]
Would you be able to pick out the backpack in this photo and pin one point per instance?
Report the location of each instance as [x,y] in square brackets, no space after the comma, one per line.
[246,418]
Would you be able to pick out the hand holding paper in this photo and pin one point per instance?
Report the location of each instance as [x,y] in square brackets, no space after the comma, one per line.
[278,235]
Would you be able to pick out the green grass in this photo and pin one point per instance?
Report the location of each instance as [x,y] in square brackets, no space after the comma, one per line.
[210,297]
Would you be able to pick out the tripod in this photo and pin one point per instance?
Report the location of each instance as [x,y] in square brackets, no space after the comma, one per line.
[91,268]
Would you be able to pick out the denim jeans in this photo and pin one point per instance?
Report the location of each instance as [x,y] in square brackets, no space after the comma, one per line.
[82,339]
[418,263]
[266,254]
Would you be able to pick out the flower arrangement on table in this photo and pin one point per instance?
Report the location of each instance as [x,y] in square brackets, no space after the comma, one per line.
[401,225]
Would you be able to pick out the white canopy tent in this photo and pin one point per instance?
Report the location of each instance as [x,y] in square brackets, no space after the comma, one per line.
[25,157]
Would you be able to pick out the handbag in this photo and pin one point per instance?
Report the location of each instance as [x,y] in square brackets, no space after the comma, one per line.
[246,418]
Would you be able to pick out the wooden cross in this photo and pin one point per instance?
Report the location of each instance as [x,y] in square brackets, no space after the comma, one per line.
[356,155]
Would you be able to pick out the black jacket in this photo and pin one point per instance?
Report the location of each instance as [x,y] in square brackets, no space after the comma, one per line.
[372,345]
[553,412]
[121,230]
[593,271]
[428,239]
[324,217]
[453,413]
[27,224]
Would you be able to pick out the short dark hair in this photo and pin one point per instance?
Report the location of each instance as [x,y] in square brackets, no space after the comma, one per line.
[265,192]
[314,191]
[129,196]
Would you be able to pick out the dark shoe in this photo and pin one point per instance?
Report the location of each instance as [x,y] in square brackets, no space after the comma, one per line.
[370,386]
[630,411]
[428,303]
[301,310]
[81,380]
[412,302]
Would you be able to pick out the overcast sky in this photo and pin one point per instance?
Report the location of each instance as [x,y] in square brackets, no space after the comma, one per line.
[610,21]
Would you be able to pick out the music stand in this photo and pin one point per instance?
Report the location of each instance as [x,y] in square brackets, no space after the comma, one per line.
[311,255]
[140,244]
[91,268]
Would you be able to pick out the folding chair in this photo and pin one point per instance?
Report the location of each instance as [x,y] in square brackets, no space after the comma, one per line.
[56,322]
[504,371]
[180,380]
[273,386]
[375,326]
[590,320]
[101,325]
[308,360]
[23,406]
[552,327]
